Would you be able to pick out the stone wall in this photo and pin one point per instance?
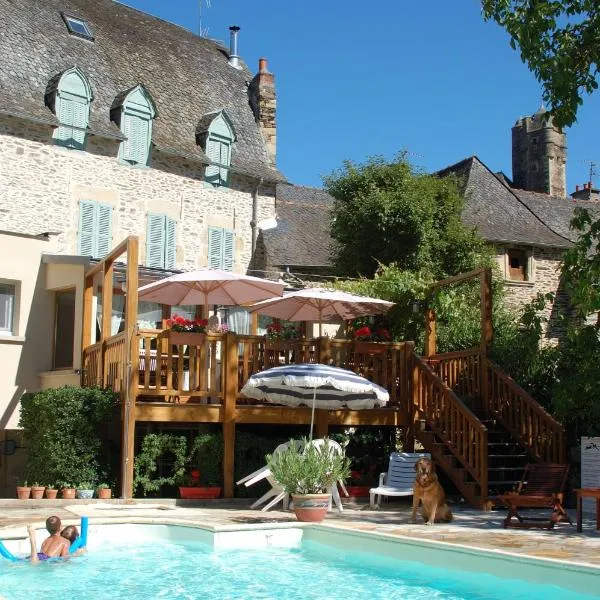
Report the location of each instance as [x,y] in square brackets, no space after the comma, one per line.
[41,185]
[543,276]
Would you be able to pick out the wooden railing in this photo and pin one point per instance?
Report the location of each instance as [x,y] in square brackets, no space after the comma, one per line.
[92,366]
[525,419]
[453,423]
[459,370]
[104,363]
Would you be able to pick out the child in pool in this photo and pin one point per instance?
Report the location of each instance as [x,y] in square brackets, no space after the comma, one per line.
[54,546]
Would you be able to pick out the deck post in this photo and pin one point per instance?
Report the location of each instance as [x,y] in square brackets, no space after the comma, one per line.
[229,412]
[324,350]
[321,423]
[408,442]
[105,332]
[430,333]
[86,334]
[487,328]
[132,357]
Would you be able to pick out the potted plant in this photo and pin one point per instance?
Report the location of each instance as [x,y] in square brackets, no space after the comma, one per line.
[67,490]
[183,331]
[205,457]
[308,473]
[23,491]
[37,491]
[85,490]
[104,491]
[194,490]
[51,491]
[367,340]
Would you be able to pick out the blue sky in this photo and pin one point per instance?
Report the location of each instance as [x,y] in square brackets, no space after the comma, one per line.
[357,79]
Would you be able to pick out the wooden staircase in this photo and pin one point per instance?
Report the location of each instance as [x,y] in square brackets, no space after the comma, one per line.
[480,427]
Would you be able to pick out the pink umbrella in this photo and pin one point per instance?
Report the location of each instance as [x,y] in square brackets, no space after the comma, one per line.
[316,304]
[209,286]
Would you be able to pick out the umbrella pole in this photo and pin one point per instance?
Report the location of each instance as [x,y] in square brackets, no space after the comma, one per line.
[320,321]
[312,414]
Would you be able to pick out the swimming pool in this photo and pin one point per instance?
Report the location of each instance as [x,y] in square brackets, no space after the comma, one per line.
[154,561]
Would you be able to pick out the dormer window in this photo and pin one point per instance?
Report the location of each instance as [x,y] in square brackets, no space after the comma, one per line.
[134,111]
[215,132]
[70,95]
[78,27]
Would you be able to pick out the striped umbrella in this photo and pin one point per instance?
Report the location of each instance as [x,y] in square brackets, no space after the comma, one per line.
[315,385]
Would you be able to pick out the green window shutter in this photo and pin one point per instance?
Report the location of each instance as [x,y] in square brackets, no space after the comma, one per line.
[87,227]
[213,152]
[104,235]
[171,245]
[225,152]
[228,245]
[80,119]
[155,242]
[65,111]
[215,247]
[127,129]
[137,131]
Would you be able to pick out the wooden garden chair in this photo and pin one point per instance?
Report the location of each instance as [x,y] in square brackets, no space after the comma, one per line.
[542,486]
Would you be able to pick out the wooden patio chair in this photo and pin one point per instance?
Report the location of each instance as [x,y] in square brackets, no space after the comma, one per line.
[542,486]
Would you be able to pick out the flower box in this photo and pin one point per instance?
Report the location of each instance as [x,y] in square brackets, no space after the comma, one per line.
[207,492]
[370,347]
[185,338]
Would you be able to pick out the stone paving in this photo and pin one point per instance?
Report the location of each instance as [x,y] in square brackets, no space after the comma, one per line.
[470,528]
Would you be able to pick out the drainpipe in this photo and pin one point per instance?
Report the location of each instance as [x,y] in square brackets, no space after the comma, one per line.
[254,222]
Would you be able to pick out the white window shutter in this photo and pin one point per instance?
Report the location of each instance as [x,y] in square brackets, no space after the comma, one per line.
[126,127]
[170,243]
[65,114]
[215,247]
[213,152]
[87,228]
[225,150]
[155,242]
[228,247]
[104,235]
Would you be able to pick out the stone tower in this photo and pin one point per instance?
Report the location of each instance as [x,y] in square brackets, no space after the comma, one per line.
[539,155]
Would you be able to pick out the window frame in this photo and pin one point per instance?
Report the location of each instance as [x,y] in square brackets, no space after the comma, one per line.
[11,330]
[219,132]
[525,272]
[69,290]
[69,19]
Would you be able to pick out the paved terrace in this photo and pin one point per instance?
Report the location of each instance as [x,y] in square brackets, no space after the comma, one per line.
[471,528]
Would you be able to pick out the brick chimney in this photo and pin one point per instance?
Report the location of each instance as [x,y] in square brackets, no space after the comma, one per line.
[539,155]
[263,101]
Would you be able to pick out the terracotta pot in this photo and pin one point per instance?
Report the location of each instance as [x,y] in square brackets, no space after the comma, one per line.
[311,508]
[201,492]
[104,493]
[37,492]
[51,493]
[23,492]
[67,493]
[358,491]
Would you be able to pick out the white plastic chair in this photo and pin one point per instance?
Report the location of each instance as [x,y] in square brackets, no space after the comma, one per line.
[334,448]
[400,477]
[277,493]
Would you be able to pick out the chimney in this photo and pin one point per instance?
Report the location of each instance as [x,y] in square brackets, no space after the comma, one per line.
[263,101]
[234,59]
[539,155]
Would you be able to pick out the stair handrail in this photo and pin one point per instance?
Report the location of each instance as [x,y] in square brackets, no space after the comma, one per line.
[526,420]
[452,421]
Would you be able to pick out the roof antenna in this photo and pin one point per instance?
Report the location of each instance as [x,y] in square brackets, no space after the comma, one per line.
[592,174]
[202,32]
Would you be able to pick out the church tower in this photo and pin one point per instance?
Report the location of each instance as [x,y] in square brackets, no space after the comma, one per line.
[539,155]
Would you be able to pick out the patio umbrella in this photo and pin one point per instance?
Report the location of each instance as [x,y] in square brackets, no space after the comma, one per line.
[316,304]
[209,286]
[315,385]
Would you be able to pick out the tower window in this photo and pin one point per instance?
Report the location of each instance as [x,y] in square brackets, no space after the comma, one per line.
[78,27]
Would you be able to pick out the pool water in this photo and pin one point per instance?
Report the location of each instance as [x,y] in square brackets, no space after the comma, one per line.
[191,569]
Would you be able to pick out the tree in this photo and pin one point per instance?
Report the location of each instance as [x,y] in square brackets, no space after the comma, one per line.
[387,212]
[560,41]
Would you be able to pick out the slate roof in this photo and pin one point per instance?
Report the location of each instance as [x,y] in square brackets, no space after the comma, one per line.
[187,76]
[497,211]
[302,237]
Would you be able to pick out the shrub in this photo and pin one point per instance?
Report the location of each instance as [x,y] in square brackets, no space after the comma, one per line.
[206,454]
[60,430]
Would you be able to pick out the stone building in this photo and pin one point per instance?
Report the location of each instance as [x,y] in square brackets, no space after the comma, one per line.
[116,123]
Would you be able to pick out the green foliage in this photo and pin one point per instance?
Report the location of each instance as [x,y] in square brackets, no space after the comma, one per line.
[157,446]
[387,212]
[581,264]
[206,454]
[60,431]
[558,39]
[307,469]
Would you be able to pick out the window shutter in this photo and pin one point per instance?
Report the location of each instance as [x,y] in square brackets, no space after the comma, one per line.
[80,119]
[136,129]
[126,125]
[171,245]
[104,236]
[64,134]
[155,242]
[225,149]
[87,228]
[213,152]
[228,239]
[215,247]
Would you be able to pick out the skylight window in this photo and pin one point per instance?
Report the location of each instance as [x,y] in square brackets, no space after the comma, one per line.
[78,27]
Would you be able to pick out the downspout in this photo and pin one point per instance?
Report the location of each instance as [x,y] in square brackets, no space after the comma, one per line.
[254,222]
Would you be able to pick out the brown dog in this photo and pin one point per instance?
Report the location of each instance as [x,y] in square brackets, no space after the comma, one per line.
[428,492]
